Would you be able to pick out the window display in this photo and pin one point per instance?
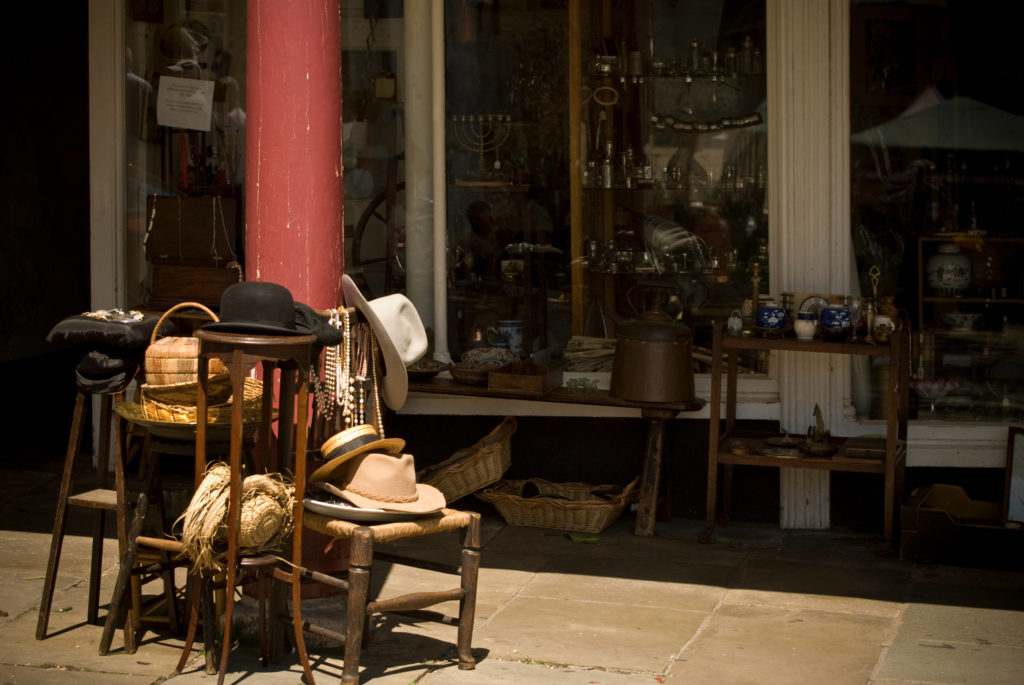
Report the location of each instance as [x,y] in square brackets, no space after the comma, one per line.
[936,149]
[602,159]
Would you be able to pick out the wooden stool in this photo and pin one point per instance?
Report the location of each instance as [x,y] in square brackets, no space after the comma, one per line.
[101,499]
[292,354]
[361,557]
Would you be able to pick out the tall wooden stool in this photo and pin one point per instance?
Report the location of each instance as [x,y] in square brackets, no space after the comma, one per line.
[112,349]
[292,354]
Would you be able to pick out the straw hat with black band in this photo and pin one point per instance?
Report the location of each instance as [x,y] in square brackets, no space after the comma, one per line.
[399,332]
[352,442]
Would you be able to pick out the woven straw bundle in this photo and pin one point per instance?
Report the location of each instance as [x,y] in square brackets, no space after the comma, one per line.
[266,517]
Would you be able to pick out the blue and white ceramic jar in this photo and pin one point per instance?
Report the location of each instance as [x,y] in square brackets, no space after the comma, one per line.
[835,321]
[771,318]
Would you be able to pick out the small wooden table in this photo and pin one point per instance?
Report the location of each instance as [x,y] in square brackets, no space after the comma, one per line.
[655,412]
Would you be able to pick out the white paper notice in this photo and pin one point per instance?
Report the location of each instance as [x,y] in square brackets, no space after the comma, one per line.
[184,103]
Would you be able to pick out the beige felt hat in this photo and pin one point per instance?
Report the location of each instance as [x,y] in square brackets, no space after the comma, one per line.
[387,482]
[400,332]
[350,443]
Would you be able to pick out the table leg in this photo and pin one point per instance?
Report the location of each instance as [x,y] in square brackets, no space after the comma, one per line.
[651,475]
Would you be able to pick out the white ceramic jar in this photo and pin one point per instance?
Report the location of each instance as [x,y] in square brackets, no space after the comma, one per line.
[948,271]
[805,326]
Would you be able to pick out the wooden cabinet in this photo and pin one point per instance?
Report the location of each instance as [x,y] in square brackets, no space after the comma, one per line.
[883,456]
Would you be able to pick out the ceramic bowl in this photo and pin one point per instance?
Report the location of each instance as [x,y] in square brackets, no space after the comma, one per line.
[961,321]
[469,373]
[425,369]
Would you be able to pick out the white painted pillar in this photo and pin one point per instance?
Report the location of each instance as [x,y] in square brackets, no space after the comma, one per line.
[419,201]
[438,121]
[809,209]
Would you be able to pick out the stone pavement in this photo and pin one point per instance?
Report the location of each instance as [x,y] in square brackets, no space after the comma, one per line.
[759,605]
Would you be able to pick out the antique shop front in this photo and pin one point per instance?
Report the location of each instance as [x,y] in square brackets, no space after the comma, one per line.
[533,174]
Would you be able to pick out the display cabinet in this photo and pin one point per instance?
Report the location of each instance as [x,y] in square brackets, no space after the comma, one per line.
[969,315]
[729,446]
[668,148]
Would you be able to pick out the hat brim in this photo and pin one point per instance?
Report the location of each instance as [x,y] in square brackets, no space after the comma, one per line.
[258,328]
[328,471]
[395,383]
[428,500]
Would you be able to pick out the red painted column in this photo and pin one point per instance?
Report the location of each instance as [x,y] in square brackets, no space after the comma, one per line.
[293,206]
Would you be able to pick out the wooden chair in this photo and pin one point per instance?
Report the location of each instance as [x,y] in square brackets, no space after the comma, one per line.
[360,606]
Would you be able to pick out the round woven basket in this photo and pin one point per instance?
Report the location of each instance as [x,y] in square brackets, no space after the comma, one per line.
[174,360]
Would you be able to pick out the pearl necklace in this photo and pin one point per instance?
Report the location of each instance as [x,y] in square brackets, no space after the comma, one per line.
[336,392]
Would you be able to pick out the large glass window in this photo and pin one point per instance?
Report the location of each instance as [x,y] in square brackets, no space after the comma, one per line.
[184,149]
[602,160]
[937,201]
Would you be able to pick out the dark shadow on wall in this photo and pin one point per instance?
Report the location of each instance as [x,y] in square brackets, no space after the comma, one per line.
[44,202]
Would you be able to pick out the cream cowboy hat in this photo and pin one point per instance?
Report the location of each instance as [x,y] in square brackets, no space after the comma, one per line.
[384,481]
[400,333]
[350,443]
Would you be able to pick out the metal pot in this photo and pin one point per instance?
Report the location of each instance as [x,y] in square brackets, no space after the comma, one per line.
[653,360]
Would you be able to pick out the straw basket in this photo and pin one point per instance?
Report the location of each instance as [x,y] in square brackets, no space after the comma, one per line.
[174,360]
[176,403]
[564,506]
[472,468]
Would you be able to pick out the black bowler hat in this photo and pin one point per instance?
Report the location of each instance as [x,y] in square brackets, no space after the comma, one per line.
[258,307]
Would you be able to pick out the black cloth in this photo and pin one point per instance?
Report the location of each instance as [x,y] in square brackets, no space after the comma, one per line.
[111,351]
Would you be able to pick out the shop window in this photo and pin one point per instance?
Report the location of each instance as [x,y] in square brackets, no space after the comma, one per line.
[184,150]
[937,151]
[542,98]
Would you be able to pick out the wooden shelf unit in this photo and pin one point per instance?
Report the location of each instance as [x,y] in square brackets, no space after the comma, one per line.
[885,456]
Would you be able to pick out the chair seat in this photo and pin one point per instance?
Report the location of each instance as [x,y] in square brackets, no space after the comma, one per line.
[446,520]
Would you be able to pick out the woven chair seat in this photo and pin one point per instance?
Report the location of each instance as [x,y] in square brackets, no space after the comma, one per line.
[447,520]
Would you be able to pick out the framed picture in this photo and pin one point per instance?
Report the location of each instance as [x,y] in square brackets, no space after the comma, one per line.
[1013,498]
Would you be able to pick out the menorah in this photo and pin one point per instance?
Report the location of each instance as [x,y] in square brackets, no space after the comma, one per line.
[483,134]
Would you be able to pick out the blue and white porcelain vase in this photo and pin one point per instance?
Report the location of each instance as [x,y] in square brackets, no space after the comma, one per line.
[835,321]
[771,318]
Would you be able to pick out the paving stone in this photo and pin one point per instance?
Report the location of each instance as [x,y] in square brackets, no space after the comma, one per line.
[760,645]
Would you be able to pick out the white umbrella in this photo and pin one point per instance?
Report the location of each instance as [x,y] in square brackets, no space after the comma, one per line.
[958,123]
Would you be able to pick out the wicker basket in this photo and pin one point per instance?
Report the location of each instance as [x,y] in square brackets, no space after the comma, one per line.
[472,468]
[176,403]
[563,506]
[174,360]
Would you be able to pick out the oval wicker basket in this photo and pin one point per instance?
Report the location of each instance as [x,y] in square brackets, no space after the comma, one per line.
[176,403]
[563,506]
[475,467]
[174,360]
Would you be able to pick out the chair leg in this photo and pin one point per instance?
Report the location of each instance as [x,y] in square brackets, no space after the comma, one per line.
[300,640]
[60,519]
[193,591]
[360,563]
[99,525]
[467,605]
